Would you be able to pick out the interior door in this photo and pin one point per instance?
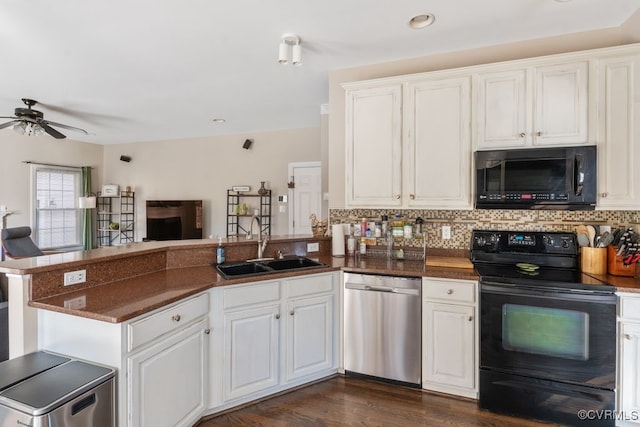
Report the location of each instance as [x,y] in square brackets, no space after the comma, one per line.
[306,196]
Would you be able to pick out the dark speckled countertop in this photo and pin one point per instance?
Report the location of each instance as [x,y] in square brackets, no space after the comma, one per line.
[158,274]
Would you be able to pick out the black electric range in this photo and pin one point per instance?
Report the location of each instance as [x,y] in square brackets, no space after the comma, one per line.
[531,258]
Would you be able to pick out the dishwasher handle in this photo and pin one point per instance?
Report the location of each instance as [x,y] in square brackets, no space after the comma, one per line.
[390,290]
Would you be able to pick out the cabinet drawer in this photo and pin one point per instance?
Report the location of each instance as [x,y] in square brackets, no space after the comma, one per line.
[309,285]
[629,307]
[253,293]
[450,290]
[144,330]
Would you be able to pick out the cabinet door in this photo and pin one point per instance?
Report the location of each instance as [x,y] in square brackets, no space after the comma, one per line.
[250,351]
[374,147]
[438,144]
[167,381]
[448,346]
[629,373]
[561,104]
[309,336]
[618,133]
[502,116]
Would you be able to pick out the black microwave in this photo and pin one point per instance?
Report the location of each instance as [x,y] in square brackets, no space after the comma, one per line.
[536,178]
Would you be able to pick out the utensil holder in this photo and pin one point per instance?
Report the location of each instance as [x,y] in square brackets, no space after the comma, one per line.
[594,260]
[615,266]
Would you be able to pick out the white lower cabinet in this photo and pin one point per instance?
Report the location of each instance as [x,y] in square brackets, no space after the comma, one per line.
[272,335]
[450,336]
[166,382]
[161,359]
[250,351]
[628,388]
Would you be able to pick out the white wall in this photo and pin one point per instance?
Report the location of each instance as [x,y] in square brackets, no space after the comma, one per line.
[15,178]
[628,33]
[204,168]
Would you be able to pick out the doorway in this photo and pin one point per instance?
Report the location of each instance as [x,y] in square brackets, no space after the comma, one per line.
[305,198]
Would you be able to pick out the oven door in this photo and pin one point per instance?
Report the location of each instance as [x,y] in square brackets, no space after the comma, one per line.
[560,335]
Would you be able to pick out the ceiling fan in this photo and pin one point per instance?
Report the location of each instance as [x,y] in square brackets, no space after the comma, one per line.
[31,122]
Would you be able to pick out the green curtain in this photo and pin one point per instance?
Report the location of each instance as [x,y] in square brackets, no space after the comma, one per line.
[87,214]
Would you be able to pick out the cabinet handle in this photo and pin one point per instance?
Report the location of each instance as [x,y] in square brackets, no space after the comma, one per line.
[397,197]
[412,196]
[470,318]
[628,336]
[277,315]
[603,195]
[538,133]
[292,312]
[175,318]
[449,291]
[522,134]
[207,331]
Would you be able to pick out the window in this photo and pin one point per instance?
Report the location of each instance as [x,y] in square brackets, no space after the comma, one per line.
[56,220]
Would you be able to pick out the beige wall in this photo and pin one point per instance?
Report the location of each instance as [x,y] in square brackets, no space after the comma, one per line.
[520,50]
[15,178]
[204,168]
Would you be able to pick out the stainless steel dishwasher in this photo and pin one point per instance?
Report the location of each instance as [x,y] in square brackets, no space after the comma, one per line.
[382,327]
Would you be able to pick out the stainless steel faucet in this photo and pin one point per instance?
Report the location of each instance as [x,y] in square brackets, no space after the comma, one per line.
[262,240]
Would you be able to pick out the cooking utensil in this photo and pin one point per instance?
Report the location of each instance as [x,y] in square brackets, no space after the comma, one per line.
[605,240]
[583,239]
[591,232]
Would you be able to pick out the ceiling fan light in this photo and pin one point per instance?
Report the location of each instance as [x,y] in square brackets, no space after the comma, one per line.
[20,127]
[296,54]
[282,53]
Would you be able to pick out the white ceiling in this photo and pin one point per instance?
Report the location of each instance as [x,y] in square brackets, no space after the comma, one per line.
[146,70]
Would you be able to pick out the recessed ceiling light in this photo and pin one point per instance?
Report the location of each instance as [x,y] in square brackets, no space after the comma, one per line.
[422,20]
[219,120]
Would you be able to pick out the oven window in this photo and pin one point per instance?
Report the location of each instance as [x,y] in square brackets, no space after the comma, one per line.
[546,331]
[541,175]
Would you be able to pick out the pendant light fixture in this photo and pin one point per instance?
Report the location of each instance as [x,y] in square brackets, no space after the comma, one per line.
[292,41]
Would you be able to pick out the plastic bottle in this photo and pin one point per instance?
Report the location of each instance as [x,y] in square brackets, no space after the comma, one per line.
[385,224]
[363,246]
[351,245]
[408,230]
[220,252]
[363,227]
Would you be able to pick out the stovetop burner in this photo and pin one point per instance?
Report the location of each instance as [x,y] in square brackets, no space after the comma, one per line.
[531,258]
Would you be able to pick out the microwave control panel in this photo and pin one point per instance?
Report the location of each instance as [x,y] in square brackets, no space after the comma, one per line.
[525,197]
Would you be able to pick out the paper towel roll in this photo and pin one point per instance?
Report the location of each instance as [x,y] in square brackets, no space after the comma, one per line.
[337,240]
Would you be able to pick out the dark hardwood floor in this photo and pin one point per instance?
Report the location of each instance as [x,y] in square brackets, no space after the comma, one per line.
[346,401]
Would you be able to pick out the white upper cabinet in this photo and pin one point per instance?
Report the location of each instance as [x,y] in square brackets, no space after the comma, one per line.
[437,135]
[619,132]
[409,144]
[374,146]
[532,106]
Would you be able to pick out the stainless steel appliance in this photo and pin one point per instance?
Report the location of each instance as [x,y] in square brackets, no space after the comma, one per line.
[382,331]
[547,331]
[43,389]
[536,178]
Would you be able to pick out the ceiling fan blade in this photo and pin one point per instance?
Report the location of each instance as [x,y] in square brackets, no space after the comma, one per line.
[8,117]
[51,131]
[11,123]
[65,126]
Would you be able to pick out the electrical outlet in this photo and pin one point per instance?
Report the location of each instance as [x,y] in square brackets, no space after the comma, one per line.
[75,277]
[313,247]
[446,232]
[76,303]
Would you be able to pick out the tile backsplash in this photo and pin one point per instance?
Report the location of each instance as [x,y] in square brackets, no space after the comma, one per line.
[463,222]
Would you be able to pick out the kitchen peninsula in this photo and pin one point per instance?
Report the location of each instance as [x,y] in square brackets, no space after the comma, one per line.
[164,301]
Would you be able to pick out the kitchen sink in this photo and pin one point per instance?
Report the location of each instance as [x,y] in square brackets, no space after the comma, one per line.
[292,263]
[258,268]
[241,269]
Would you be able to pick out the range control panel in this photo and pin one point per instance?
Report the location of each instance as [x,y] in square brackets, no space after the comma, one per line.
[534,242]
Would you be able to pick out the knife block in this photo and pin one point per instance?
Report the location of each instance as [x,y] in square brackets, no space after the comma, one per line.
[594,260]
[615,265]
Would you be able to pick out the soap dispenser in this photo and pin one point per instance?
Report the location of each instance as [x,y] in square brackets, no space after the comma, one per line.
[220,252]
